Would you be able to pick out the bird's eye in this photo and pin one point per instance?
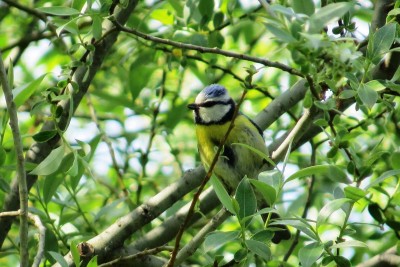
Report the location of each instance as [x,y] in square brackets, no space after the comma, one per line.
[209,104]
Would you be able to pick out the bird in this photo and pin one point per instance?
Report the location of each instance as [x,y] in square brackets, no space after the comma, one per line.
[214,110]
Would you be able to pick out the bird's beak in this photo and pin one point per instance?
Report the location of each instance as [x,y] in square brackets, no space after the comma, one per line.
[192,106]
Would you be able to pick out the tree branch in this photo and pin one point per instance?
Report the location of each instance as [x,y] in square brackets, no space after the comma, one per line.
[23,191]
[209,50]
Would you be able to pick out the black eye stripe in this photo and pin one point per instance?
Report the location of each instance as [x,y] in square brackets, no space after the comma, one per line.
[212,103]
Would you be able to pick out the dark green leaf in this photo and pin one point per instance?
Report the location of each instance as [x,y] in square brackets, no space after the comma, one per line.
[218,19]
[246,198]
[206,8]
[50,186]
[44,136]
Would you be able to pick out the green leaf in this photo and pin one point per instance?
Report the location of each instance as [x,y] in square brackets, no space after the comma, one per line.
[375,85]
[394,159]
[44,136]
[139,75]
[51,163]
[59,10]
[219,238]
[382,177]
[330,208]
[327,14]
[263,236]
[349,244]
[367,95]
[164,16]
[246,199]
[303,7]
[75,253]
[222,194]
[23,92]
[259,248]
[310,253]
[299,224]
[382,40]
[3,155]
[50,186]
[272,178]
[281,34]
[346,94]
[93,262]
[354,193]
[4,186]
[333,172]
[10,74]
[59,258]
[267,191]
[97,27]
[206,8]
[218,19]
[108,209]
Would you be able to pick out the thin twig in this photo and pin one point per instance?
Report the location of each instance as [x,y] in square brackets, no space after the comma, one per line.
[209,50]
[203,184]
[140,254]
[108,142]
[198,239]
[281,150]
[145,155]
[307,206]
[42,233]
[21,176]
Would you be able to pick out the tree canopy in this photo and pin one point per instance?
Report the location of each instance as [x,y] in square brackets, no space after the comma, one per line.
[98,154]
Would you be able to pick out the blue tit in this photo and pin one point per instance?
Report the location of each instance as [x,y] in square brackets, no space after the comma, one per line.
[213,112]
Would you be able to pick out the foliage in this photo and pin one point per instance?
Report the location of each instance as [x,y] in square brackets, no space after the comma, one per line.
[102,87]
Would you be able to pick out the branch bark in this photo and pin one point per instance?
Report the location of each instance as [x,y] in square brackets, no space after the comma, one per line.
[23,190]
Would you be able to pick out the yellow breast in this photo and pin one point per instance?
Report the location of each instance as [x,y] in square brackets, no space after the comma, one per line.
[236,161]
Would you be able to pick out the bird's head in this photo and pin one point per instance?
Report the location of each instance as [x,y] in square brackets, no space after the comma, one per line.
[213,105]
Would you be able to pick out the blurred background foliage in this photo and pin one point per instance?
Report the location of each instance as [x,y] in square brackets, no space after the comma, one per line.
[132,135]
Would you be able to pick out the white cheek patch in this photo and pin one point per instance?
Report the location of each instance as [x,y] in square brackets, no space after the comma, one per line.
[214,113]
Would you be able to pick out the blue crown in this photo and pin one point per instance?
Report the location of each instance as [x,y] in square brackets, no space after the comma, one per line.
[214,90]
